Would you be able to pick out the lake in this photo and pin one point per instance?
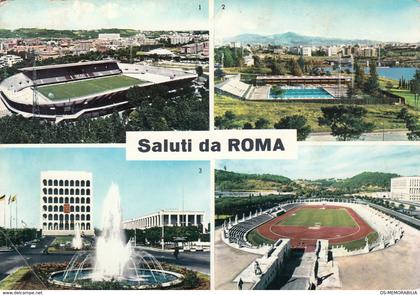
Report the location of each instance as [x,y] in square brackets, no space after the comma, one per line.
[394,73]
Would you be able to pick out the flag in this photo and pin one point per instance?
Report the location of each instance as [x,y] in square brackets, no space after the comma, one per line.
[12,199]
[24,225]
[2,197]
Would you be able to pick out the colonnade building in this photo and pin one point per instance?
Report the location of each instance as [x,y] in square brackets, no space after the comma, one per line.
[166,218]
[406,188]
[66,200]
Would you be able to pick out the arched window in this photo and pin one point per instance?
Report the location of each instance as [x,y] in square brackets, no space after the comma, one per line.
[88,217]
[71,226]
[82,183]
[82,217]
[44,216]
[50,226]
[50,191]
[66,191]
[66,182]
[72,217]
[50,200]
[82,191]
[61,191]
[77,183]
[82,226]
[50,182]
[61,200]
[87,200]
[44,182]
[88,226]
[71,208]
[61,217]
[72,200]
[77,200]
[55,182]
[61,208]
[87,182]
[56,208]
[82,200]
[45,199]
[82,208]
[50,207]
[55,191]
[44,190]
[72,192]
[66,226]
[55,217]
[55,200]
[77,217]
[87,208]
[77,209]
[66,200]
[71,182]
[87,192]
[66,217]
[77,191]
[61,182]
[55,226]
[50,217]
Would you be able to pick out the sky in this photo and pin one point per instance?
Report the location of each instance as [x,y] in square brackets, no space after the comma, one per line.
[335,161]
[145,186]
[96,14]
[381,20]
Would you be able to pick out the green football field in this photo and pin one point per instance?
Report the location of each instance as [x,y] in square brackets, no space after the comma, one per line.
[87,87]
[317,216]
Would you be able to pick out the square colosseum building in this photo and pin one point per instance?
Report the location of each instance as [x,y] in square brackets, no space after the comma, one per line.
[66,200]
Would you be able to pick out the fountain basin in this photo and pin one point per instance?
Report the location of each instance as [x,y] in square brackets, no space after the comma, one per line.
[144,278]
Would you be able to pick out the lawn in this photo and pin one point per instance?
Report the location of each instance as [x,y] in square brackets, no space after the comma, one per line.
[323,217]
[357,244]
[384,116]
[87,87]
[10,281]
[62,240]
[256,239]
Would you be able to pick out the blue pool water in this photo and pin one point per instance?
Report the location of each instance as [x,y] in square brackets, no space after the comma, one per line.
[303,93]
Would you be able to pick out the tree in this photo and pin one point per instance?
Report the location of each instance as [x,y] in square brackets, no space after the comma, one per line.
[262,123]
[297,122]
[372,83]
[346,121]
[403,114]
[301,62]
[247,125]
[294,67]
[359,76]
[199,70]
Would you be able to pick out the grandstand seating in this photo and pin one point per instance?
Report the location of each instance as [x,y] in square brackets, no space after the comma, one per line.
[234,87]
[238,231]
[54,74]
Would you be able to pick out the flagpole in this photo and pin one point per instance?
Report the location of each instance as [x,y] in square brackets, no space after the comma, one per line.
[16,213]
[10,211]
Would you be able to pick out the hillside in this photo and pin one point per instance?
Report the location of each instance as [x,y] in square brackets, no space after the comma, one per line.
[226,180]
[367,181]
[293,39]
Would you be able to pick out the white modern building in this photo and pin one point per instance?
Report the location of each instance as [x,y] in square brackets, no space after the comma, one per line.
[66,200]
[109,36]
[166,218]
[406,188]
[9,60]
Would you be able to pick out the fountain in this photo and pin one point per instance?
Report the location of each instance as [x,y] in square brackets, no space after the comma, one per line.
[114,259]
[77,242]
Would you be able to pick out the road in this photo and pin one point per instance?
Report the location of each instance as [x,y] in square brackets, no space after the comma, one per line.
[10,261]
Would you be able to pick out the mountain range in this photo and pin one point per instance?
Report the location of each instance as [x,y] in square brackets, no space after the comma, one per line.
[294,39]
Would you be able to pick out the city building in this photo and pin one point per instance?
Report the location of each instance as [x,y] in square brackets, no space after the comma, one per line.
[306,51]
[9,60]
[66,200]
[406,188]
[109,36]
[167,218]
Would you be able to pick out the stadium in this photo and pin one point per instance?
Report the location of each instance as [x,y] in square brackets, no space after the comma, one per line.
[88,89]
[311,244]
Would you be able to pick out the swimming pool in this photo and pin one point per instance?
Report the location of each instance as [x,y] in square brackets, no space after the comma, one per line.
[302,93]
